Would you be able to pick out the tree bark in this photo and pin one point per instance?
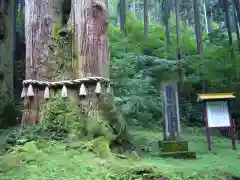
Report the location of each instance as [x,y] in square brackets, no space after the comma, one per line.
[236,25]
[166,15]
[90,45]
[205,17]
[40,17]
[184,16]
[122,12]
[146,9]
[6,57]
[225,7]
[237,6]
[179,50]
[91,23]
[198,31]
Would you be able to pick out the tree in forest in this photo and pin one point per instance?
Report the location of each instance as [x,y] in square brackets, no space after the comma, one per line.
[122,14]
[236,14]
[198,31]
[237,7]
[6,61]
[184,16]
[179,51]
[145,4]
[80,50]
[227,20]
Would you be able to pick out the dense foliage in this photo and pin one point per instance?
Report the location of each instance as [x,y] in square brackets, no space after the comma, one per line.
[137,73]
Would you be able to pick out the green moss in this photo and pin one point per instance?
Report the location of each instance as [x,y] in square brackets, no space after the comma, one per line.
[99,146]
[60,61]
[21,154]
[179,154]
[98,126]
[174,146]
[65,113]
[56,28]
[142,172]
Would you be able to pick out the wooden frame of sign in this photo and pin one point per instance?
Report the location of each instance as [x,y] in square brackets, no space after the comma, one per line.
[217,113]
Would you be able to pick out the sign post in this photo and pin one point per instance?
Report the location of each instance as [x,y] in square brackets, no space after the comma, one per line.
[217,113]
[172,145]
[171,111]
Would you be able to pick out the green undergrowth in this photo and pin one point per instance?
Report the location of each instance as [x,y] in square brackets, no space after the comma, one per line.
[49,159]
[65,119]
[62,117]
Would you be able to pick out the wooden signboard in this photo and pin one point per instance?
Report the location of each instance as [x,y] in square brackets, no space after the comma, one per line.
[217,113]
[171,111]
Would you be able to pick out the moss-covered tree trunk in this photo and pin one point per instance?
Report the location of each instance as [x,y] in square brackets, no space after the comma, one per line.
[6,60]
[40,18]
[91,57]
[81,50]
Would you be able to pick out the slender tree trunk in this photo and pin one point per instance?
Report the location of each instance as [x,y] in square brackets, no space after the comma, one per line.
[198,33]
[237,26]
[6,58]
[166,15]
[122,10]
[184,16]
[145,21]
[226,6]
[205,17]
[179,51]
[237,6]
[134,7]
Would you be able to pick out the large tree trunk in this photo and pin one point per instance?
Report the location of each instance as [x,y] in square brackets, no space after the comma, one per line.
[91,23]
[40,17]
[82,52]
[91,44]
[91,58]
[6,59]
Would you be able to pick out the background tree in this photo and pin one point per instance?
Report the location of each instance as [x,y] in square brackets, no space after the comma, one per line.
[145,4]
[122,13]
[226,10]
[7,115]
[234,8]
[165,19]
[179,51]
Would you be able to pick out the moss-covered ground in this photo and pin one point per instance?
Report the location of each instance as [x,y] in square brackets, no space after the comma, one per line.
[41,160]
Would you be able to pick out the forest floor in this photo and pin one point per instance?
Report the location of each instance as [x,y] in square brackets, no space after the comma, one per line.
[51,161]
